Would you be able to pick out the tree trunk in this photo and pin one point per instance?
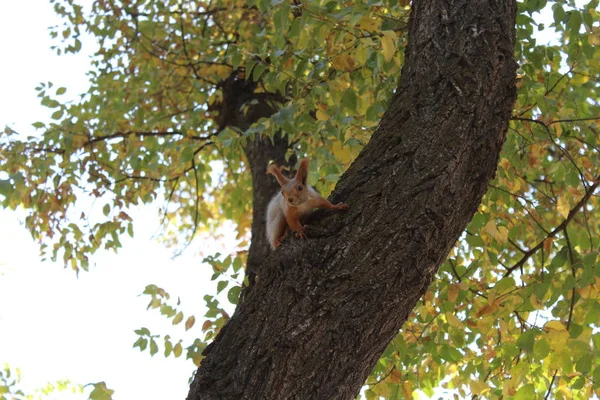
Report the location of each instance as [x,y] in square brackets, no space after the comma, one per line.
[323,309]
[240,93]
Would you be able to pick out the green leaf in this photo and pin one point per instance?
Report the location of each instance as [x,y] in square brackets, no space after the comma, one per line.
[61,90]
[258,71]
[589,260]
[58,114]
[505,285]
[221,285]
[237,264]
[101,392]
[596,377]
[574,21]
[584,364]
[541,349]
[526,341]
[526,392]
[142,331]
[153,347]
[233,294]
[178,318]
[349,100]
[450,354]
[578,383]
[187,154]
[168,348]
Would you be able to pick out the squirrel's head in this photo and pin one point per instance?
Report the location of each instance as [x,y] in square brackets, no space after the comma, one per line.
[294,191]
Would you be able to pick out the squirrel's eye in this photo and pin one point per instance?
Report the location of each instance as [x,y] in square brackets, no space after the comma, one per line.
[299,187]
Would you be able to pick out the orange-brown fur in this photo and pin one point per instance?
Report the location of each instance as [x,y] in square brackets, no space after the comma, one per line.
[295,200]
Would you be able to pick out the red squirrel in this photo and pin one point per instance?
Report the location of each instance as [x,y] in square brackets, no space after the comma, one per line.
[296,200]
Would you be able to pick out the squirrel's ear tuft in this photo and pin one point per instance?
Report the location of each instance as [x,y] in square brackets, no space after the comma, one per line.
[302,174]
[274,170]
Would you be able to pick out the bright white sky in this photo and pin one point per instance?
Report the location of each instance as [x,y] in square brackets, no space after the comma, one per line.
[54,325]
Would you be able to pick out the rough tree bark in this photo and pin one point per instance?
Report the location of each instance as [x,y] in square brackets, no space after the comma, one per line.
[323,309]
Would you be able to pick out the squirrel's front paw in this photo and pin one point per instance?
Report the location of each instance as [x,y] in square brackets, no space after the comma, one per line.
[300,235]
[342,206]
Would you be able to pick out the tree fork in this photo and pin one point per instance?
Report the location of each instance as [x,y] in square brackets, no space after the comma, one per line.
[324,309]
[238,94]
[259,152]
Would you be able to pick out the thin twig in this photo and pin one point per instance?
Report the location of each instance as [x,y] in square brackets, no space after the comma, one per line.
[550,386]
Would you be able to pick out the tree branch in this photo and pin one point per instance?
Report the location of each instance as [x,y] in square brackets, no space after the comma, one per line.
[589,192]
[141,134]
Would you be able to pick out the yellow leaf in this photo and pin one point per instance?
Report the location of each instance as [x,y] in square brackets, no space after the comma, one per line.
[407,389]
[558,130]
[591,291]
[338,85]
[424,312]
[178,318]
[519,373]
[361,53]
[322,116]
[479,387]
[388,43]
[535,151]
[177,349]
[341,153]
[500,234]
[486,310]
[594,37]
[368,24]
[453,292]
[382,390]
[485,324]
[453,321]
[509,388]
[558,340]
[504,327]
[563,206]
[587,163]
[490,228]
[557,335]
[554,326]
[535,302]
[344,62]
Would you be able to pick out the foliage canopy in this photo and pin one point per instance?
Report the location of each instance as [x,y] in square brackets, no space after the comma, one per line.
[515,308]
